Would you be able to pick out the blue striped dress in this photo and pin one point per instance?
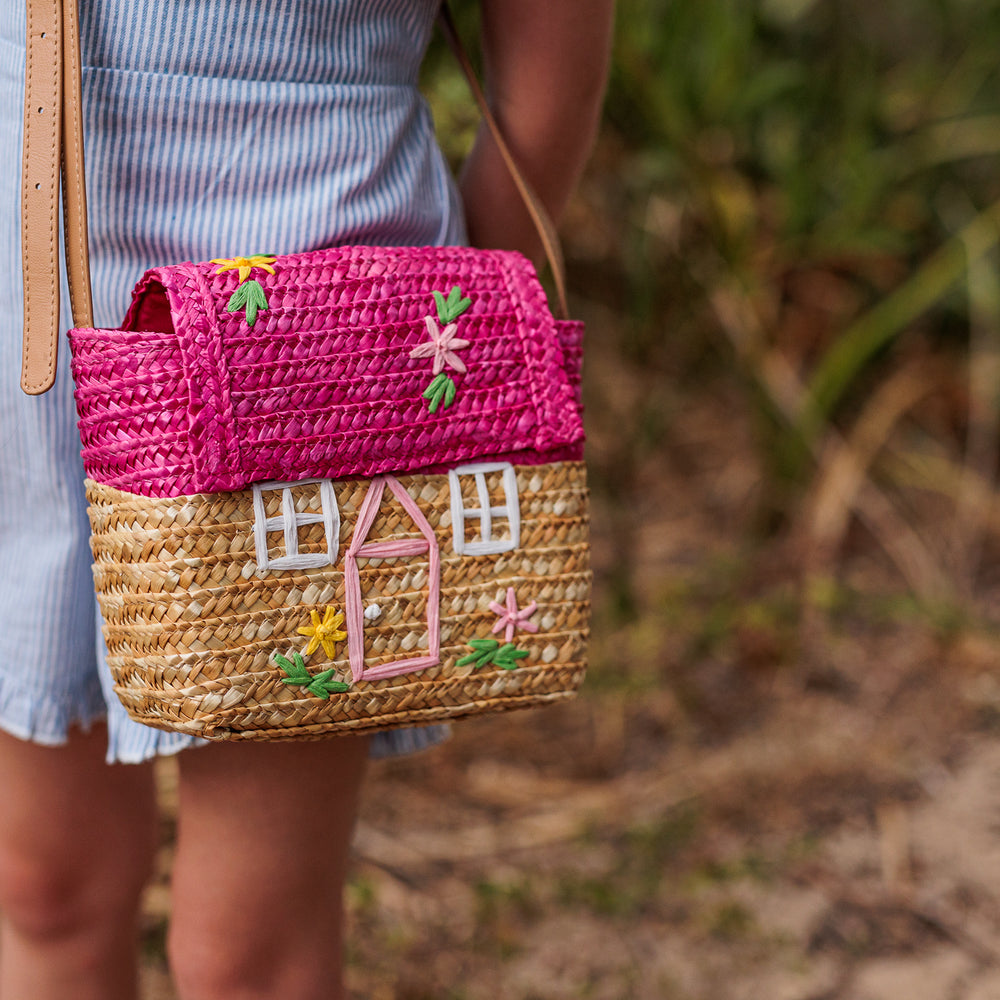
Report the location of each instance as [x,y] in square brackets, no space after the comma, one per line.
[214,128]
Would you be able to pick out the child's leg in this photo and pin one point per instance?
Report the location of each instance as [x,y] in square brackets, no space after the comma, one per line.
[262,845]
[77,840]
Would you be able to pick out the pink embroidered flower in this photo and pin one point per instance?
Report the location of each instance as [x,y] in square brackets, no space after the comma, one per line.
[511,617]
[441,346]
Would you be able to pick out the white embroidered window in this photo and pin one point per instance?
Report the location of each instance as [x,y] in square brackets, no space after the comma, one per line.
[480,525]
[295,525]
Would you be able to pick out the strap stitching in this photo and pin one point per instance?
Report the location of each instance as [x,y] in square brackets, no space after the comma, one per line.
[51,334]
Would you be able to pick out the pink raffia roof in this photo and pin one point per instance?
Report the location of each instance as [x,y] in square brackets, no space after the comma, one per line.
[329,382]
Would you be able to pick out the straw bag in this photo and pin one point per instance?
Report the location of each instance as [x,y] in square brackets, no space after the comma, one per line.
[332,491]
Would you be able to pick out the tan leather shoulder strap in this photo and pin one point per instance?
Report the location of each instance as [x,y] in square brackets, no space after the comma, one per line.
[40,195]
[53,144]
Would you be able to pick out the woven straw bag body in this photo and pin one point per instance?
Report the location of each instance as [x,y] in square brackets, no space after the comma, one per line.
[330,492]
[337,491]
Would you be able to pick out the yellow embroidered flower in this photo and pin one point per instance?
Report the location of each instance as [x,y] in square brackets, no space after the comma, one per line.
[245,264]
[326,633]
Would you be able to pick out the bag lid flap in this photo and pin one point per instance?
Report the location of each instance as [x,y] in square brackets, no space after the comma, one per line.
[341,362]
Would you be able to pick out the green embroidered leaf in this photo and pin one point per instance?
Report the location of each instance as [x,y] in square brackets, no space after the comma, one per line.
[507,657]
[451,308]
[250,297]
[297,672]
[442,389]
[447,392]
[435,385]
[323,686]
[511,650]
[470,658]
[256,299]
[486,651]
[320,685]
[238,299]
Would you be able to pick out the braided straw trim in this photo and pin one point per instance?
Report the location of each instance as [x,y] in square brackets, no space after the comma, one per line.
[192,625]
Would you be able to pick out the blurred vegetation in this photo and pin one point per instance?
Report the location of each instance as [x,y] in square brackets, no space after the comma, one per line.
[794,205]
[789,136]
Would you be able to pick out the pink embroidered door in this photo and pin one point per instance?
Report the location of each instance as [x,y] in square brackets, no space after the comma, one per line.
[415,617]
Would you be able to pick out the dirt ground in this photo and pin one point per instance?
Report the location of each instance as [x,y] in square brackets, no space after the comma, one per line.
[744,804]
[837,850]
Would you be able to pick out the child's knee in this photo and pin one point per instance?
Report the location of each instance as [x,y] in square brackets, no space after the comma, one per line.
[48,895]
[208,963]
[37,900]
[217,949]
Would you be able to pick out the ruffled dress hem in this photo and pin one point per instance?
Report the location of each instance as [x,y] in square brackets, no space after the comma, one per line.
[47,720]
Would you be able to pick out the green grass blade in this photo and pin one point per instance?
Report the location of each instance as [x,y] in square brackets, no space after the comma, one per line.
[881,324]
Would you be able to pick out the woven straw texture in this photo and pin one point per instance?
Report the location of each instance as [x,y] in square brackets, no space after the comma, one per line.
[191,397]
[193,623]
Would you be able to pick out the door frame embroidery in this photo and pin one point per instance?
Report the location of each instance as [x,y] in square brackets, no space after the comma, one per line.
[360,547]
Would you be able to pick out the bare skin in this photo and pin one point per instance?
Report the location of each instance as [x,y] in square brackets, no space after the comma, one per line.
[77,840]
[546,68]
[263,843]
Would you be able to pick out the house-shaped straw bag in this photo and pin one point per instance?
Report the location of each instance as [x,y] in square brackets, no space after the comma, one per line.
[333,491]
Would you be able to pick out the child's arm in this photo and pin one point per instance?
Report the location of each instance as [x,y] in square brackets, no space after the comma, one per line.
[546,64]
